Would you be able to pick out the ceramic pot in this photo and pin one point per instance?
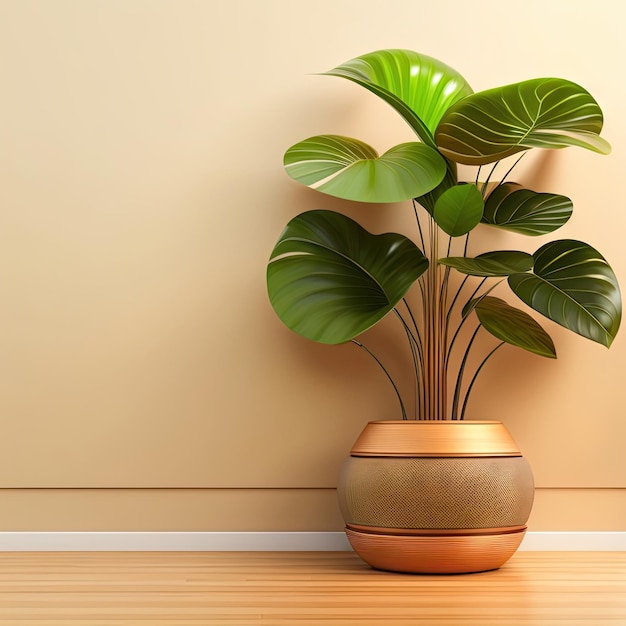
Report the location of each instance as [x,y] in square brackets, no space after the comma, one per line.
[435,496]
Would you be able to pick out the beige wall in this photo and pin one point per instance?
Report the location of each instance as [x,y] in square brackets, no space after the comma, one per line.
[145,382]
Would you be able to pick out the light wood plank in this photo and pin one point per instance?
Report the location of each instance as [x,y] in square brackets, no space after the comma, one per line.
[304,589]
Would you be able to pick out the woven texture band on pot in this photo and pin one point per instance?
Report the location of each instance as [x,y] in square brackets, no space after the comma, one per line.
[435,497]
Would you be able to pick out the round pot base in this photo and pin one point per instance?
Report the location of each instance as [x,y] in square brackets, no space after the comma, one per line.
[436,552]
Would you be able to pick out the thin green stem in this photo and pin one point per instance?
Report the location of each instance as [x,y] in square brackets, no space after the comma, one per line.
[446,277]
[444,287]
[459,379]
[419,225]
[402,407]
[484,185]
[456,296]
[480,284]
[417,359]
[444,318]
[417,337]
[466,243]
[460,326]
[511,168]
[471,385]
[460,288]
[420,284]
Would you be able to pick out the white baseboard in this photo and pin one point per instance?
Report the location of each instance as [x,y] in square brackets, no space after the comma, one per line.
[173,541]
[574,541]
[263,541]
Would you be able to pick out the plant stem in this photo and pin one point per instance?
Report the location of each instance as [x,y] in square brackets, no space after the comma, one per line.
[416,337]
[410,312]
[459,380]
[456,297]
[402,407]
[466,244]
[469,388]
[434,344]
[415,353]
[419,225]
[511,168]
[484,185]
[458,330]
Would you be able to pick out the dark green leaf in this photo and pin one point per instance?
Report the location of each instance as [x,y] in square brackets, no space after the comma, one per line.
[513,326]
[417,86]
[329,279]
[350,169]
[459,209]
[429,200]
[574,286]
[540,113]
[497,263]
[512,207]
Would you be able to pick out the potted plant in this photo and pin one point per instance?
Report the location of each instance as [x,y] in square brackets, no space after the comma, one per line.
[412,488]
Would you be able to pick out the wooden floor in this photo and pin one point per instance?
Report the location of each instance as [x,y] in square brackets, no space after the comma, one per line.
[302,589]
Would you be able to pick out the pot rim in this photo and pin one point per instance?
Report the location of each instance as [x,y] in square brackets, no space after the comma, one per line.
[426,438]
[435,422]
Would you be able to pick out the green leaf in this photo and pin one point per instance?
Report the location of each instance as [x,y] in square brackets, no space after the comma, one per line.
[429,200]
[520,210]
[417,86]
[497,263]
[514,326]
[350,169]
[459,209]
[573,285]
[329,279]
[539,113]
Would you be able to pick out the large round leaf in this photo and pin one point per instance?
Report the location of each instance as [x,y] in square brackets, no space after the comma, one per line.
[520,210]
[417,86]
[573,285]
[329,279]
[539,113]
[513,326]
[459,209]
[350,169]
[497,263]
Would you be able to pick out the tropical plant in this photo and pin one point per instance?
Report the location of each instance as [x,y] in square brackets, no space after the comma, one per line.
[329,279]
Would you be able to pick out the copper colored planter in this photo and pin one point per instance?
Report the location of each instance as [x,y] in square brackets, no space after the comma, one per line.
[435,497]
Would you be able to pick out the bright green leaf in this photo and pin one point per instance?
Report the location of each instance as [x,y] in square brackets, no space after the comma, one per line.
[513,326]
[350,169]
[540,113]
[329,279]
[417,86]
[520,210]
[497,263]
[573,285]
